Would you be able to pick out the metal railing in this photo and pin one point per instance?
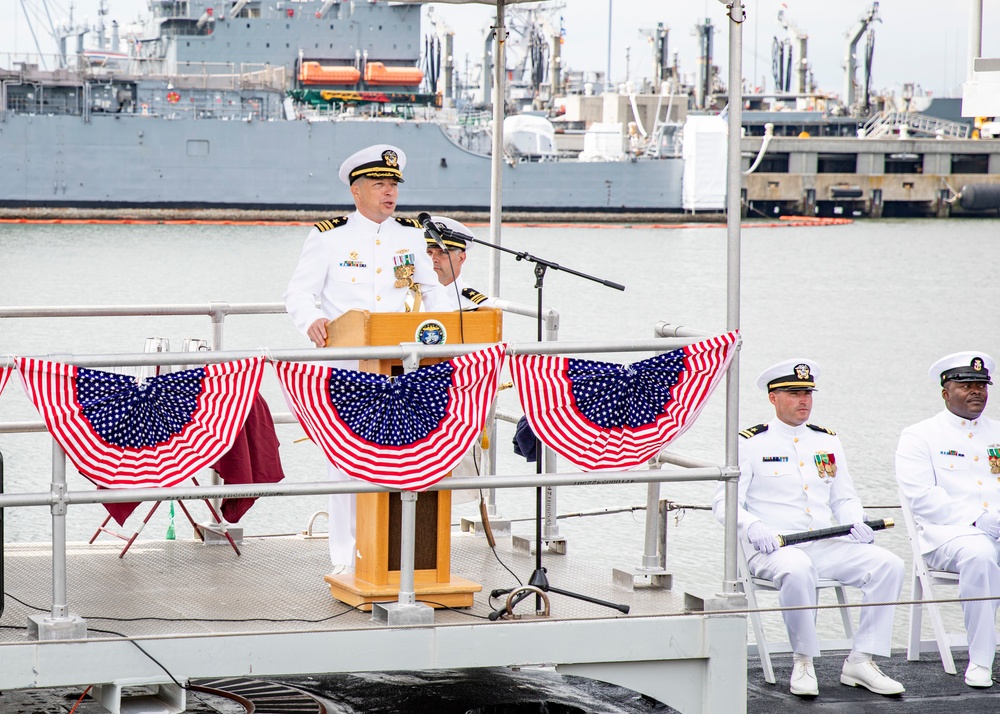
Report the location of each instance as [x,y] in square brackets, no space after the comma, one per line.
[59,498]
[886,124]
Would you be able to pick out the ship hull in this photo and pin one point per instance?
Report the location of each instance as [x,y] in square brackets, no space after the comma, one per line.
[117,160]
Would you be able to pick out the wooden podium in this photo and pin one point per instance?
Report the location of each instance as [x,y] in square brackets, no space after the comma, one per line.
[376,564]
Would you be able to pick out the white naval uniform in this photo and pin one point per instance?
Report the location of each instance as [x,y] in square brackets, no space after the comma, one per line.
[349,264]
[780,485]
[447,299]
[944,471]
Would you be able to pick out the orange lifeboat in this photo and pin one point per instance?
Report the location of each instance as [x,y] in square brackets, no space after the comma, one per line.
[376,73]
[316,73]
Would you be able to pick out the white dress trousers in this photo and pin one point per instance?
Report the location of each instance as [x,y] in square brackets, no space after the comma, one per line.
[796,479]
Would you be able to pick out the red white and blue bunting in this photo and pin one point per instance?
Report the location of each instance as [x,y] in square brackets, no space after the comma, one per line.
[408,431]
[603,415]
[124,434]
[5,373]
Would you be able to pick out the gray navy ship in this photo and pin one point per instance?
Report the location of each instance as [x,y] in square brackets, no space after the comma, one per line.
[253,105]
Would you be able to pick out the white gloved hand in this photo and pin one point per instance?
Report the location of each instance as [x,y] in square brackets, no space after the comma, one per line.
[862,533]
[989,523]
[761,537]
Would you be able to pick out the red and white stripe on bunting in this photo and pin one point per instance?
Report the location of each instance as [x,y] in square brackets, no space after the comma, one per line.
[4,376]
[417,426]
[603,416]
[122,434]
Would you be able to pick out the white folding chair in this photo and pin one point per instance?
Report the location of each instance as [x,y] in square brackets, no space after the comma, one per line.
[922,588]
[753,585]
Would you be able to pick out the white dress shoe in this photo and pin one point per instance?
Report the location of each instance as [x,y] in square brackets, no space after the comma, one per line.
[868,675]
[978,676]
[340,569]
[803,682]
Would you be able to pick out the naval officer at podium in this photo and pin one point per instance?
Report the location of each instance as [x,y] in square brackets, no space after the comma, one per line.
[367,260]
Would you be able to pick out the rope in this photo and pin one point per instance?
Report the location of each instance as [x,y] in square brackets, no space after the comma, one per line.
[838,606]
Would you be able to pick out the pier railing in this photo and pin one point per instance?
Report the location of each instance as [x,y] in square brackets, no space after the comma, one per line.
[59,498]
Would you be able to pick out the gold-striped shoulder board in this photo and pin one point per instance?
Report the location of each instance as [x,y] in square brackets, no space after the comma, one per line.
[753,431]
[822,429]
[324,226]
[474,295]
[409,222]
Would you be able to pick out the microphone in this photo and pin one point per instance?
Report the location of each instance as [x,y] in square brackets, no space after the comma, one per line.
[425,220]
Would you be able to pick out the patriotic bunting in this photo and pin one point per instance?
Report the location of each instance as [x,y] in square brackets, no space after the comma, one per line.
[123,434]
[4,376]
[407,431]
[602,415]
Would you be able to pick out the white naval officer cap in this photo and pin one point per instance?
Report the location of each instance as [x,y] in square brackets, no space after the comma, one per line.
[963,367]
[453,234]
[378,161]
[797,374]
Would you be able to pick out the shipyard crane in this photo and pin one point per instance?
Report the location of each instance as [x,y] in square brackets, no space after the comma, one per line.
[783,65]
[851,60]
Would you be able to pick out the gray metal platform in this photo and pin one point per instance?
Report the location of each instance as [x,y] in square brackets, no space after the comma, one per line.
[197,611]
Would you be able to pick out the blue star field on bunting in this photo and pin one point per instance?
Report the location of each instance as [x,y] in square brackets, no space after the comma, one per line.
[133,415]
[392,411]
[614,395]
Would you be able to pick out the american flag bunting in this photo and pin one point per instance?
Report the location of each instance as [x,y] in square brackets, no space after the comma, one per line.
[124,434]
[603,415]
[407,431]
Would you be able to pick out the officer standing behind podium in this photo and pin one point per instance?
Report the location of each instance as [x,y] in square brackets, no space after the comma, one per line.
[367,260]
[455,294]
[947,467]
[793,478]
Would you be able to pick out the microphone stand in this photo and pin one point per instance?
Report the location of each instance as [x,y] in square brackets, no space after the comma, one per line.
[538,578]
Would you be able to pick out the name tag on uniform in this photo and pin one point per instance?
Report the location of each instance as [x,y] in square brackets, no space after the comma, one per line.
[775,459]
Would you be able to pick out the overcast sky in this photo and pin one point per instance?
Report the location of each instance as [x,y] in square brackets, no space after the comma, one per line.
[920,41]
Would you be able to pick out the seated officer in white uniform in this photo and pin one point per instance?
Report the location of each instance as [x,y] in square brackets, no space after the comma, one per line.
[367,260]
[456,294]
[947,467]
[794,478]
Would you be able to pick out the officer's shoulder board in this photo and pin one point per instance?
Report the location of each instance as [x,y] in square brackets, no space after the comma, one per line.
[822,429]
[474,295]
[324,226]
[409,222]
[753,431]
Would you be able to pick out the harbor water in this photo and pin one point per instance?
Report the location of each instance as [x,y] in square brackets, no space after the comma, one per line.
[873,302]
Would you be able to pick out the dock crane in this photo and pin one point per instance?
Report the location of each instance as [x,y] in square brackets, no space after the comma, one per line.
[851,60]
[782,64]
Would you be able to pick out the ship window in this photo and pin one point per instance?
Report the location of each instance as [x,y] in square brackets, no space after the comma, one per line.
[267,44]
[773,164]
[837,163]
[248,25]
[286,45]
[197,147]
[904,163]
[970,163]
[287,26]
